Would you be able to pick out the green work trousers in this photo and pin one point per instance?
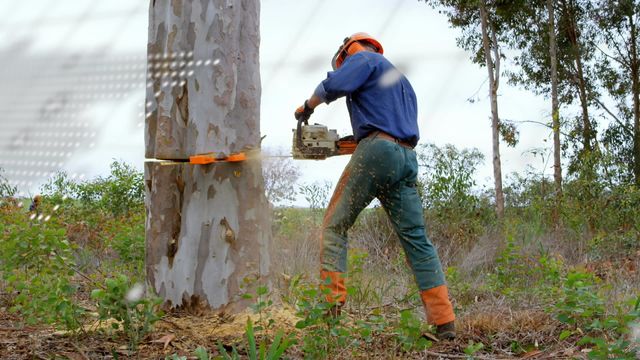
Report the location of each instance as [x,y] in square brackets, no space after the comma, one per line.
[383,169]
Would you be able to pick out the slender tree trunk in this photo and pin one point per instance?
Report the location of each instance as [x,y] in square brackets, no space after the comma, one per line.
[207,226]
[572,35]
[494,77]
[635,86]
[555,111]
[587,132]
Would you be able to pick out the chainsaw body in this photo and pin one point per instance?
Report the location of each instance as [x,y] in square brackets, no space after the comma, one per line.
[317,142]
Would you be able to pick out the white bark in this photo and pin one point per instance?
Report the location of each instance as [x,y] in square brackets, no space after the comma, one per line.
[493,68]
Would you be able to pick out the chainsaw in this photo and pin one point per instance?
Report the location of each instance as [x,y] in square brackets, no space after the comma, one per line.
[317,142]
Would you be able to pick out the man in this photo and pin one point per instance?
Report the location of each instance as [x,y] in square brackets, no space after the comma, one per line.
[383,111]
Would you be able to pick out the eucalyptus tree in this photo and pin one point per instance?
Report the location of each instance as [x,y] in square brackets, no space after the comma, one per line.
[619,74]
[533,38]
[484,31]
[576,54]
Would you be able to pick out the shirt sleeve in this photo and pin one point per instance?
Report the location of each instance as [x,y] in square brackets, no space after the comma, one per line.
[353,73]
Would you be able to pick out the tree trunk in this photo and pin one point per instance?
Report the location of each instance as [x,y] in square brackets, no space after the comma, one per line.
[555,112]
[207,226]
[635,89]
[587,132]
[207,232]
[579,80]
[494,76]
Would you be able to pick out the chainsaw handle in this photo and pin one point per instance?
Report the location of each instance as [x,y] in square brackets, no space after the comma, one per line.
[299,144]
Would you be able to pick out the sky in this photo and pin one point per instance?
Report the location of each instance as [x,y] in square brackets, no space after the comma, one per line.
[83,63]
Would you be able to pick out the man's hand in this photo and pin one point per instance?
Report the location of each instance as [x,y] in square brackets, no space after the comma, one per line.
[303,112]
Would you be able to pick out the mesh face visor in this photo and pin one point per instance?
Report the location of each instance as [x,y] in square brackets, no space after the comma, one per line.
[340,53]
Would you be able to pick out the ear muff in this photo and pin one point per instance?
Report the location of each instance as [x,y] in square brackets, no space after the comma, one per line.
[351,45]
[355,47]
[348,49]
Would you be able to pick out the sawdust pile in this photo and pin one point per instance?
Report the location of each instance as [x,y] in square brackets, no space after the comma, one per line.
[223,326]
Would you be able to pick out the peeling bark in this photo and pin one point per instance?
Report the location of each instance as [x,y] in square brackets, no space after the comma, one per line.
[204,73]
[220,242]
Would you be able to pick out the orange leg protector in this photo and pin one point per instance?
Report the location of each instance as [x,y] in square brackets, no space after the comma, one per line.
[334,281]
[437,305]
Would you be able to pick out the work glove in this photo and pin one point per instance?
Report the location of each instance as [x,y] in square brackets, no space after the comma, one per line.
[303,112]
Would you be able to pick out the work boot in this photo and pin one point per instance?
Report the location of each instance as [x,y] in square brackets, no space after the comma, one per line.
[439,311]
[446,331]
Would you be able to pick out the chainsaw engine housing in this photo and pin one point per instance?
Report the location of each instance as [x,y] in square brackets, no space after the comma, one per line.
[316,142]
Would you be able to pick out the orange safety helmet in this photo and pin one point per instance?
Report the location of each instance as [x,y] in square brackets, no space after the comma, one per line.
[351,45]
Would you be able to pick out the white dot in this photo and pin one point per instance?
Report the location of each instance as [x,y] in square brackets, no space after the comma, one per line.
[208,62]
[56,207]
[190,73]
[33,216]
[216,61]
[199,62]
[47,218]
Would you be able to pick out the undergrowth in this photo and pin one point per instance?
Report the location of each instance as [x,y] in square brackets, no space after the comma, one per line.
[582,275]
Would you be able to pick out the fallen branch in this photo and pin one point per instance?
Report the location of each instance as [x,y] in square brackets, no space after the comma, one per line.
[172,323]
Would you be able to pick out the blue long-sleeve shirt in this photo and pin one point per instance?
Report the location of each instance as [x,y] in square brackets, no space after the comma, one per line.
[379,97]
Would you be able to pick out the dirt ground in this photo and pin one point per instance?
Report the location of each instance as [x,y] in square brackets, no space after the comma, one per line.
[181,333]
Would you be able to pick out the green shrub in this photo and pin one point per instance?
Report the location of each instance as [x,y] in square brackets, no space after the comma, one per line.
[120,300]
[583,306]
[118,194]
[36,262]
[447,187]
[6,189]
[409,332]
